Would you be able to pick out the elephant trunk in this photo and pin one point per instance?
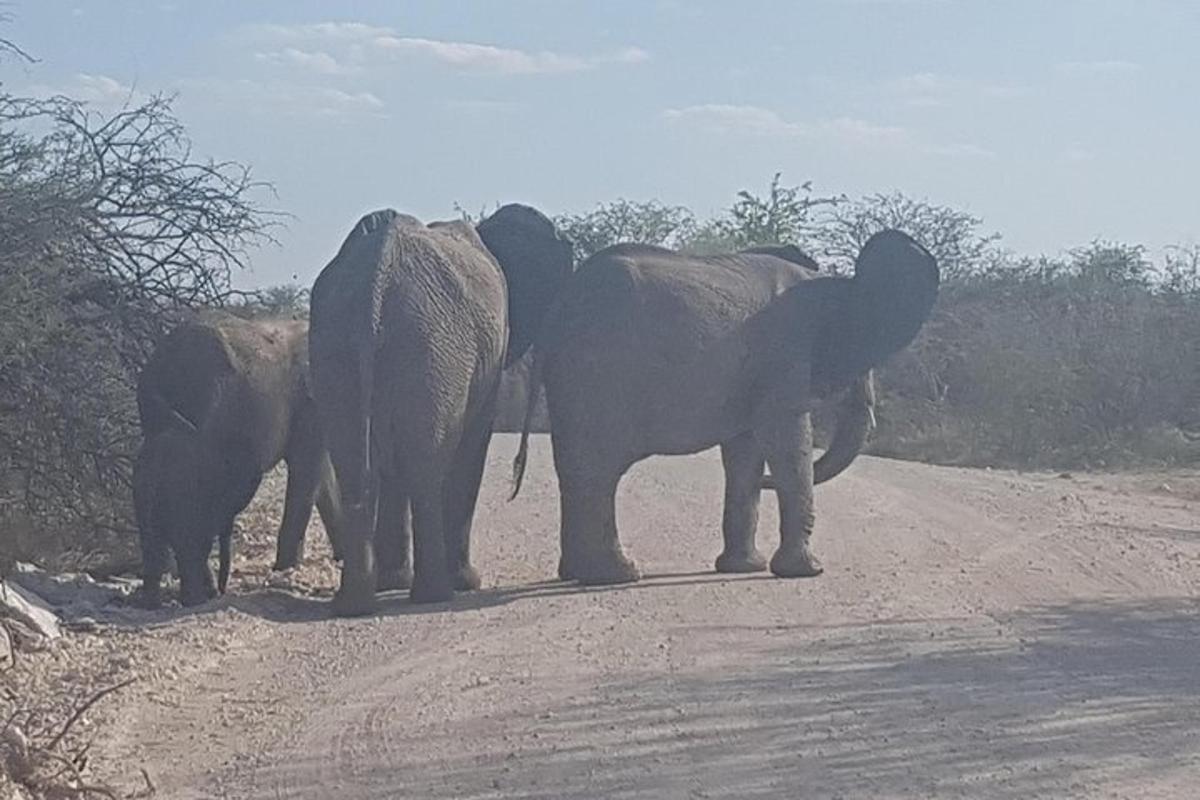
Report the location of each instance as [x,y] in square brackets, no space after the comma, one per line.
[855,421]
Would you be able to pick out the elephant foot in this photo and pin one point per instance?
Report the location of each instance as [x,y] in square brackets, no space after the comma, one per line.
[283,564]
[605,570]
[466,578]
[148,599]
[399,578]
[288,555]
[735,563]
[354,600]
[565,572]
[427,590]
[795,561]
[197,597]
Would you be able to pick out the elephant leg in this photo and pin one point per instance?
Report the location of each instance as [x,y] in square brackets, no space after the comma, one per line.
[743,461]
[431,578]
[393,538]
[462,492]
[348,435]
[329,506]
[356,591]
[155,553]
[246,482]
[303,480]
[224,552]
[789,454]
[196,583]
[154,563]
[592,551]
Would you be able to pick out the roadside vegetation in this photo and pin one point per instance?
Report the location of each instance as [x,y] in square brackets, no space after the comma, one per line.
[111,230]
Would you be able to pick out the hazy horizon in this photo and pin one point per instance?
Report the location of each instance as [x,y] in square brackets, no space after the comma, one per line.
[1056,124]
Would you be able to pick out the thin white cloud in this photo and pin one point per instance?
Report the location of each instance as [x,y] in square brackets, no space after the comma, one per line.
[312,32]
[370,43]
[756,121]
[98,90]
[759,121]
[284,98]
[484,58]
[626,55]
[1102,68]
[861,132]
[1078,155]
[316,61]
[480,106]
[931,89]
[960,150]
[737,119]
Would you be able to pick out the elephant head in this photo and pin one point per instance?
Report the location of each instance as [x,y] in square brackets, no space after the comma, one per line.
[535,259]
[876,313]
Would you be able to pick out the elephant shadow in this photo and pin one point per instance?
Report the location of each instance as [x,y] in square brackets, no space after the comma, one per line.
[283,606]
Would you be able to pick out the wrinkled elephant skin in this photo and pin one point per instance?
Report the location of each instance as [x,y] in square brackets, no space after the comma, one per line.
[411,327]
[653,352]
[221,401]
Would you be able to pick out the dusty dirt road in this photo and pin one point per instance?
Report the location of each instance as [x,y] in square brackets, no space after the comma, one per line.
[976,634]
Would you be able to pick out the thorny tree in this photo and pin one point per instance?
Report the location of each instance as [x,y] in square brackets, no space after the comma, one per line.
[109,229]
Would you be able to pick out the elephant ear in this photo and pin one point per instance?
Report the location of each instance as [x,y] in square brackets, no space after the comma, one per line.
[892,293]
[536,261]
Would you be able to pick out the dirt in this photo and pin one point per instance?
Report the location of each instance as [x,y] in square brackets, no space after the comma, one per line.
[976,634]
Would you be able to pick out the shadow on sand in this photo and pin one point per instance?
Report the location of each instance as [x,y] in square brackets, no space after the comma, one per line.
[280,605]
[1059,701]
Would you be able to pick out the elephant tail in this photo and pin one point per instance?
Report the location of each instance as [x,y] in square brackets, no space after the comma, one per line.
[534,394]
[224,548]
[856,420]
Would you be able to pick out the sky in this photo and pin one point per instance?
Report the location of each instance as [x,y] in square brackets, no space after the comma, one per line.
[1056,122]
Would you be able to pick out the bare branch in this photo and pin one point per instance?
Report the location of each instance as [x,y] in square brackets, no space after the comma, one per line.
[82,709]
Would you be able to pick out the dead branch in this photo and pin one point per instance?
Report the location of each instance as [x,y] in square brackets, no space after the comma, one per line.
[82,709]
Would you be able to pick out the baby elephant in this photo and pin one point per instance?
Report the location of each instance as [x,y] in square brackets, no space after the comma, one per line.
[221,402]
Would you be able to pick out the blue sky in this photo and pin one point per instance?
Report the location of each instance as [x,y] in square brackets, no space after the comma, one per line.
[1056,121]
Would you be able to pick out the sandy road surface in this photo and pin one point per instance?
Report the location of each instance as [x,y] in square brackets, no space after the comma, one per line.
[976,634]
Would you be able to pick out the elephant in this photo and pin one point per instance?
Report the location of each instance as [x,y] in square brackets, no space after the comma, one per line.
[221,401]
[411,325]
[649,351]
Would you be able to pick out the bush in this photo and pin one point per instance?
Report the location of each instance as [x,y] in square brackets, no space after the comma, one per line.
[1085,363]
[109,232]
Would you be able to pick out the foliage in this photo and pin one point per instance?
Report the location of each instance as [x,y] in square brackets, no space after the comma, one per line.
[286,300]
[1081,362]
[649,222]
[1085,360]
[109,230]
[1181,269]
[786,215]
[952,236]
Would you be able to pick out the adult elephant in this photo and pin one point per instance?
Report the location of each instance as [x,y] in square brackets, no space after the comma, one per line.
[411,326]
[223,400]
[653,352]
